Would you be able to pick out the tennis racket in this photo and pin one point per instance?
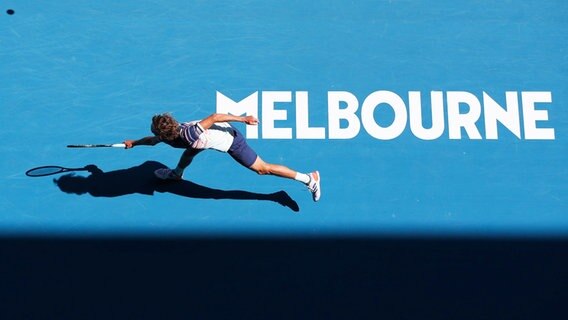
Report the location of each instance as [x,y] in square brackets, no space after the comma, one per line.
[50,170]
[114,145]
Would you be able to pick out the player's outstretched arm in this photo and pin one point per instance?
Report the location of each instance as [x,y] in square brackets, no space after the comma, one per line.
[219,117]
[146,141]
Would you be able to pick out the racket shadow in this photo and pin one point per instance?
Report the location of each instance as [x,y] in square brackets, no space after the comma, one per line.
[141,179]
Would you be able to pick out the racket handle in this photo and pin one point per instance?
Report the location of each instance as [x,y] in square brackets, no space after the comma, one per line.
[118,145]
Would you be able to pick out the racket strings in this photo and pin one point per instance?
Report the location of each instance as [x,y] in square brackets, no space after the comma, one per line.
[44,171]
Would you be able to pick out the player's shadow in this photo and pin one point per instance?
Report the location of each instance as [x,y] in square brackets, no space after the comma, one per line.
[141,179]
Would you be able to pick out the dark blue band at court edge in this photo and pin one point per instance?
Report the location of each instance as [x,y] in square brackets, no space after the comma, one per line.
[241,151]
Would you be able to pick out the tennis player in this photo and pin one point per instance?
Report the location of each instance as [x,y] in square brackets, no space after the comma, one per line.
[215,132]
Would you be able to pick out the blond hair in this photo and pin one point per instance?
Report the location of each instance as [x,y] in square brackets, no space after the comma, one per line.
[165,126]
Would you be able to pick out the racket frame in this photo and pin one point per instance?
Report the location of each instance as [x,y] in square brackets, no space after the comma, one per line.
[61,170]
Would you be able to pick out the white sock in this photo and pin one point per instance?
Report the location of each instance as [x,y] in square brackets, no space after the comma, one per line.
[302,177]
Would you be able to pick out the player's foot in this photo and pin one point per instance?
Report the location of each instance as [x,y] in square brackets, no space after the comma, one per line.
[314,185]
[167,174]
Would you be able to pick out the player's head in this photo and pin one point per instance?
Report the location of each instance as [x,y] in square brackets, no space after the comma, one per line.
[165,126]
[71,183]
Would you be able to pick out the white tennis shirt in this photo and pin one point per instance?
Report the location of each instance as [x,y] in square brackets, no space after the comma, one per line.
[219,136]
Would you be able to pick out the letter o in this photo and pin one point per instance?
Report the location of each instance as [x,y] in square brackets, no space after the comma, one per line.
[400,115]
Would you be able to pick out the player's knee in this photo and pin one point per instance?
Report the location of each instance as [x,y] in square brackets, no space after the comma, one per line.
[263,170]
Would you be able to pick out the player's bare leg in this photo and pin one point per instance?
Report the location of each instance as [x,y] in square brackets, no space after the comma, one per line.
[261,167]
[177,173]
[312,180]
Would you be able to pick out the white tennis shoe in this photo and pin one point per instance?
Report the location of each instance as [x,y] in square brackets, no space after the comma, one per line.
[166,174]
[314,185]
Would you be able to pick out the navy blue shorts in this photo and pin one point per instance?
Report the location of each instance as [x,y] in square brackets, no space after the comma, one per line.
[241,151]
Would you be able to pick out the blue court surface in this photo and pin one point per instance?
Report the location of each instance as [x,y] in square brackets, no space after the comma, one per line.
[86,72]
[443,121]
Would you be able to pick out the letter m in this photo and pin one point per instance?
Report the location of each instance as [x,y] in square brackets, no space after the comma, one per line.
[248,106]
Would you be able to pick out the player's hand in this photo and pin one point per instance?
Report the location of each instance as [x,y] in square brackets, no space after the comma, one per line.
[93,169]
[251,120]
[128,144]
